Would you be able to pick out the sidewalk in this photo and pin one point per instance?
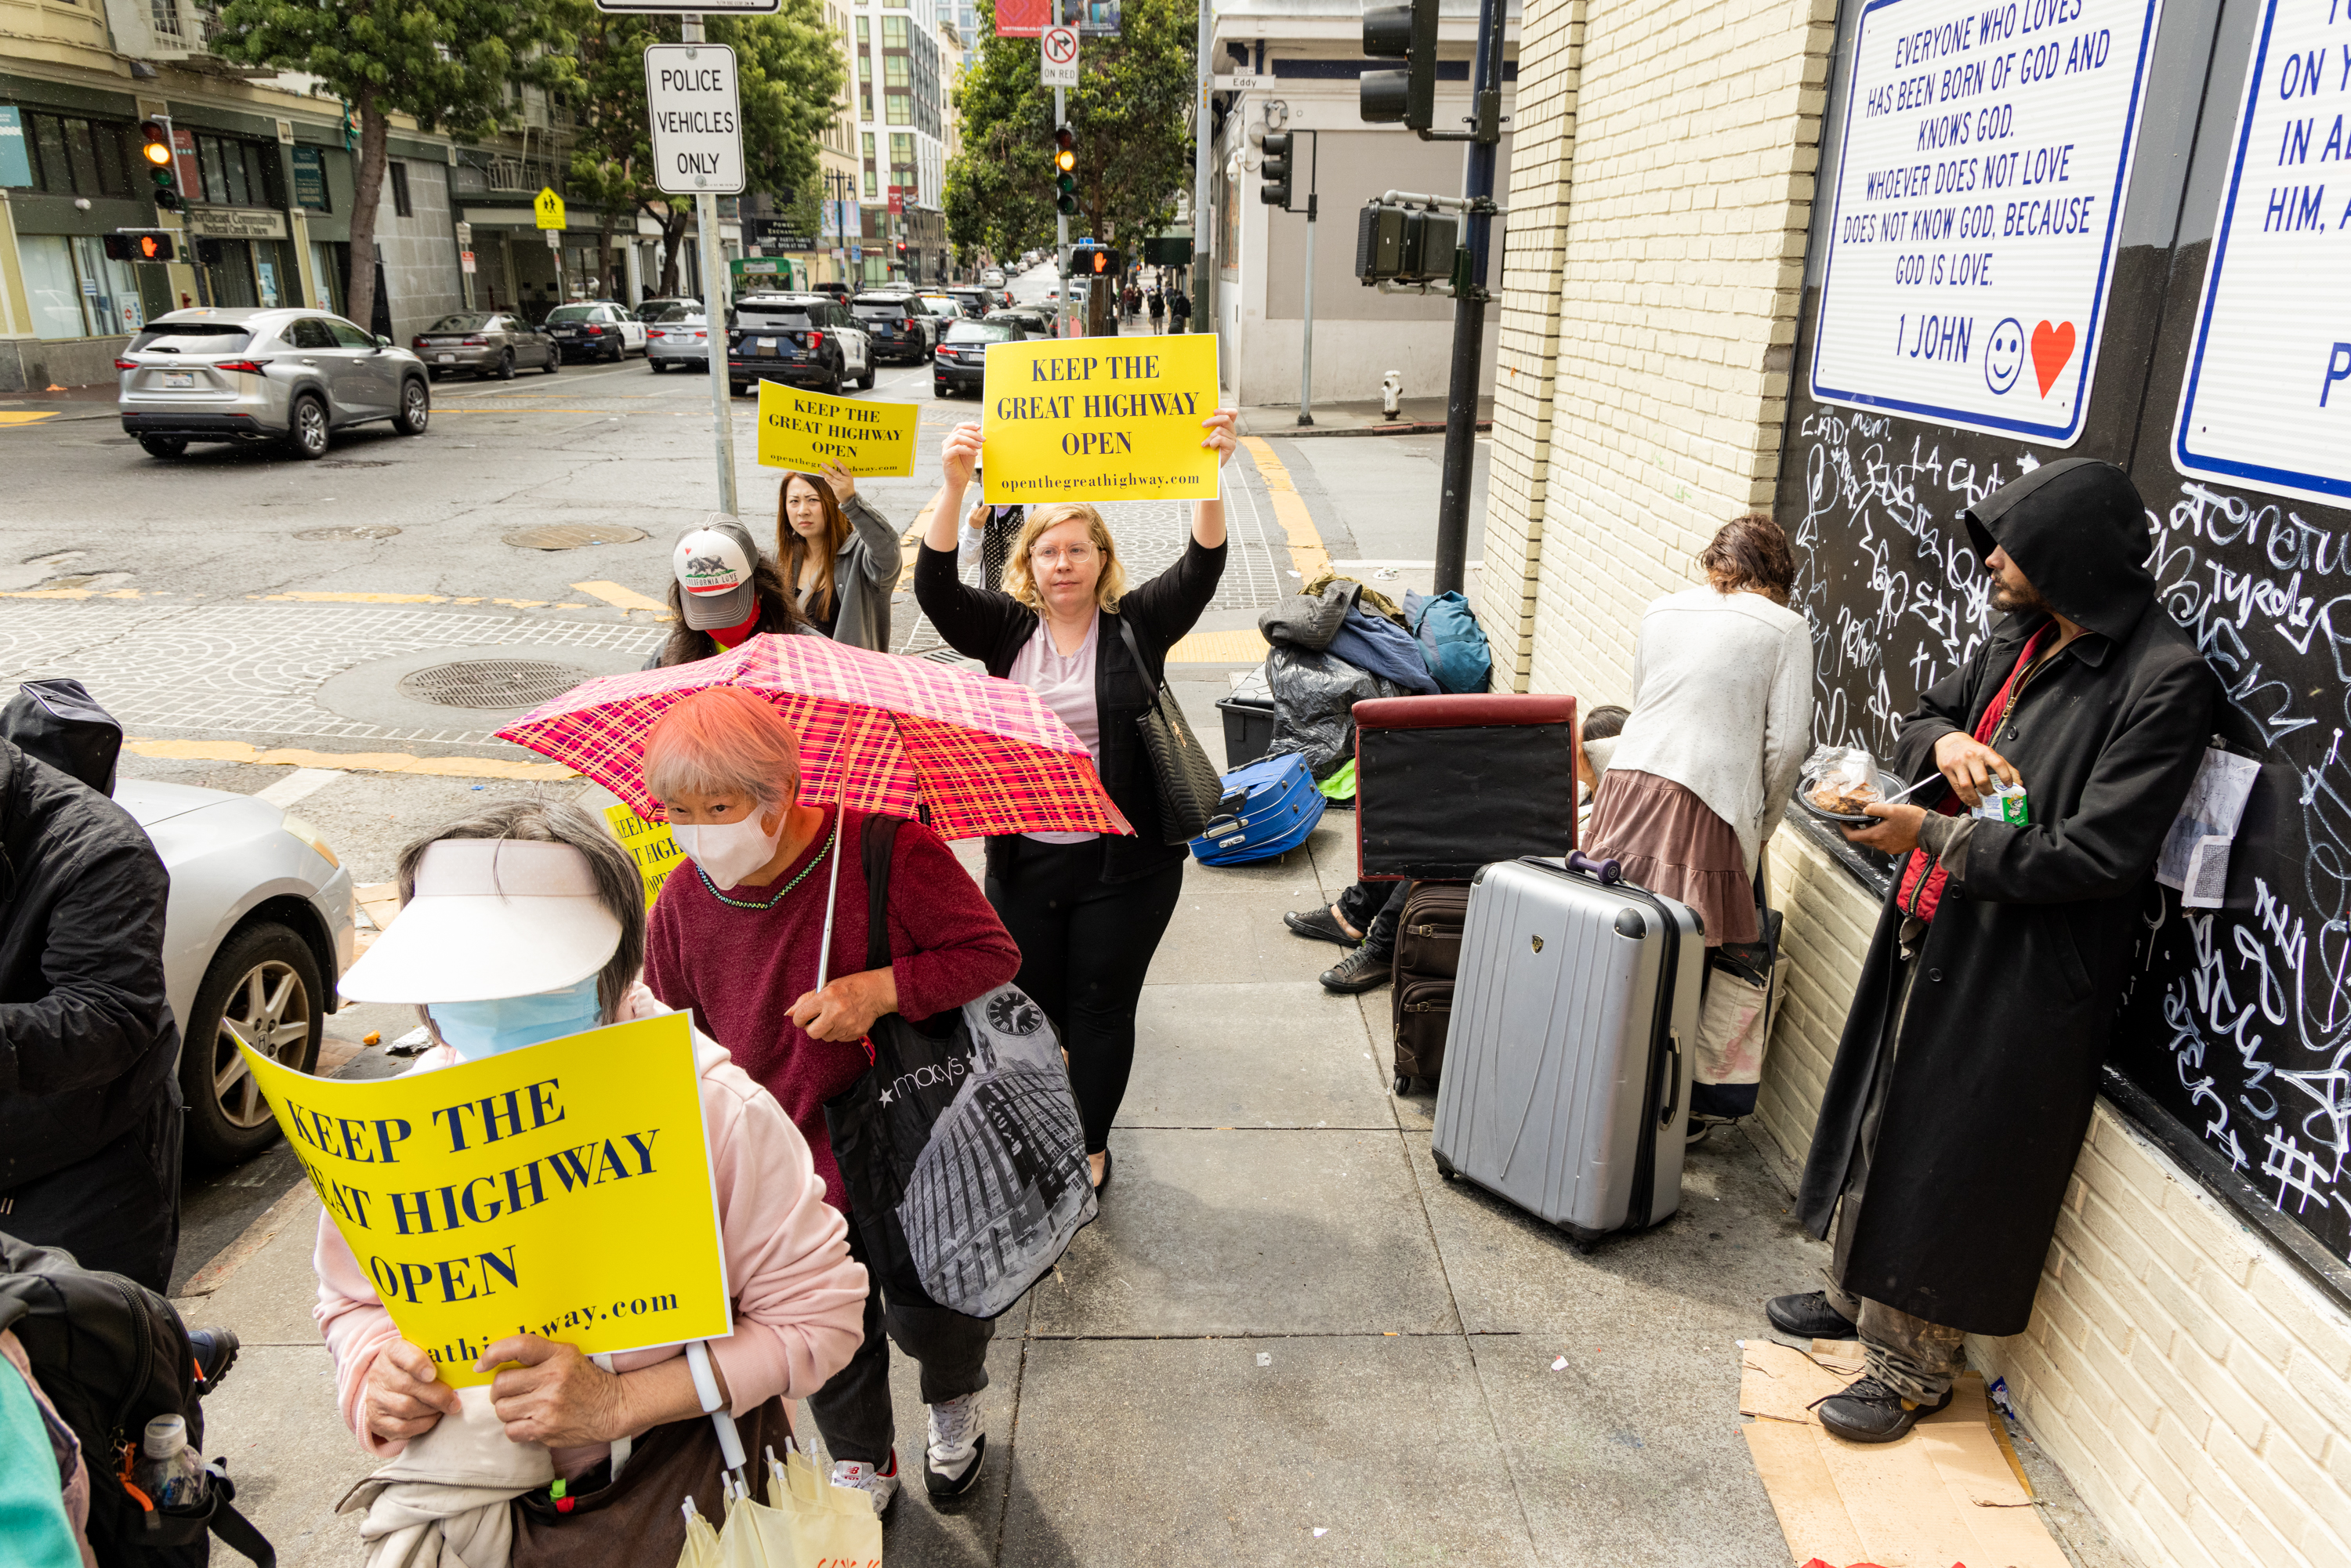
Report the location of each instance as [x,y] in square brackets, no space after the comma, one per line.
[1284,1323]
[1414,416]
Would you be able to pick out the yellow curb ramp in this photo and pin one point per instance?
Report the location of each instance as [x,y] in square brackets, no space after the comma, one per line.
[1246,645]
[349,761]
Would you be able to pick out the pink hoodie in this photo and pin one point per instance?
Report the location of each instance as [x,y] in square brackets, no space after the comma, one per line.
[799,1303]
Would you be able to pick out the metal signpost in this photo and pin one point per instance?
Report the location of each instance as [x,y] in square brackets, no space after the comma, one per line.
[1062,220]
[698,139]
[1203,123]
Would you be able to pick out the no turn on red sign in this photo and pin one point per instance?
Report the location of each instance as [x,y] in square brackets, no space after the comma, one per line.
[1058,54]
[691,103]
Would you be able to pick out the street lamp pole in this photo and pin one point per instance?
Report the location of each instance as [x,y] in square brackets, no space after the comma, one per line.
[1062,219]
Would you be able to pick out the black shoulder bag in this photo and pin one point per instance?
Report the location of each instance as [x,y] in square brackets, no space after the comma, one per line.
[1189,786]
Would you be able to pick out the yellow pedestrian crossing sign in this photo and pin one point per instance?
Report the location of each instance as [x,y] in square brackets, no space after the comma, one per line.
[550,207]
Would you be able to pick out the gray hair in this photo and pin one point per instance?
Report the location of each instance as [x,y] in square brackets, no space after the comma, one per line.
[619,884]
[724,740]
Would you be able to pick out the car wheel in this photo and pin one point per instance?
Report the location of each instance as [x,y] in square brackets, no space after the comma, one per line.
[163,445]
[939,388]
[865,381]
[656,366]
[554,359]
[434,372]
[735,389]
[832,382]
[415,408]
[263,981]
[505,365]
[306,428]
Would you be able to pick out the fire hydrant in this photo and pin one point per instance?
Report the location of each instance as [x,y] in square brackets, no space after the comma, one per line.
[1392,395]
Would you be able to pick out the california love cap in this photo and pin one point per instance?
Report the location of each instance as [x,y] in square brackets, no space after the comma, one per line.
[713,565]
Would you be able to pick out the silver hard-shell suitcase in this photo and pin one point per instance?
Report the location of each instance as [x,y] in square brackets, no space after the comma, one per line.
[1567,1068]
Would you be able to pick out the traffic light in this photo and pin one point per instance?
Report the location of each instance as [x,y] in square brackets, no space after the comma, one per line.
[1408,96]
[155,147]
[1065,175]
[138,245]
[1274,187]
[1097,261]
[1404,244]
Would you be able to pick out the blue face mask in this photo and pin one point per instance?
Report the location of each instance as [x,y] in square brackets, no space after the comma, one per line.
[477,1030]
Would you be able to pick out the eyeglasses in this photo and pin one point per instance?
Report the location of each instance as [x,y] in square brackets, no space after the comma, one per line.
[1076,555]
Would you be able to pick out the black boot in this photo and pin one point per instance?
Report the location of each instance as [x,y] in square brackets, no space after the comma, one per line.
[1808,1316]
[215,1354]
[1361,970]
[1870,1411]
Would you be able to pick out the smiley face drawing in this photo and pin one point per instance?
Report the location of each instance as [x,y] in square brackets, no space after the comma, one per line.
[2004,355]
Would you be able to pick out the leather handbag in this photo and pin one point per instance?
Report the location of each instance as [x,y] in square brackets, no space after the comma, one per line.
[1190,789]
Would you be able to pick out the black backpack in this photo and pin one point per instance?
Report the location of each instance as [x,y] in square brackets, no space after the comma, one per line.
[111,1356]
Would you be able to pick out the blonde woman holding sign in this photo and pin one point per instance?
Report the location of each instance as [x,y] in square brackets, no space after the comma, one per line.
[1087,909]
[840,557]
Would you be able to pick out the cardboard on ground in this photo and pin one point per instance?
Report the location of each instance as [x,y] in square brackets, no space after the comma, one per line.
[1948,1492]
[1099,419]
[807,430]
[563,1189]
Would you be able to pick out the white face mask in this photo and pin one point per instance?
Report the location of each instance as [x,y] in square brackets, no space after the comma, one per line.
[729,851]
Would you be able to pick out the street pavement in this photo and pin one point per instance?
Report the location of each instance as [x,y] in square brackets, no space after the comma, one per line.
[1286,1340]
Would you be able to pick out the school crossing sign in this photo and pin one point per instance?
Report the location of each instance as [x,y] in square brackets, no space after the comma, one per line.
[1980,175]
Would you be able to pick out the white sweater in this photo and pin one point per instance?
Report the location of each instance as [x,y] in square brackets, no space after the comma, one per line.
[1722,705]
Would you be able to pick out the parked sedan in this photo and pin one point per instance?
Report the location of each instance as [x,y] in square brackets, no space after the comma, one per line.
[597,329]
[258,931]
[679,337]
[251,375]
[1029,321]
[799,340]
[961,361]
[902,329]
[652,311]
[487,343]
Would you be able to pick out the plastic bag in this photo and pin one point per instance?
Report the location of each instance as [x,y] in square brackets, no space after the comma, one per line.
[1314,697]
[1841,779]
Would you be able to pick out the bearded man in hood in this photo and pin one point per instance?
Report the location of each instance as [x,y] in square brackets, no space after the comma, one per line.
[1968,1066]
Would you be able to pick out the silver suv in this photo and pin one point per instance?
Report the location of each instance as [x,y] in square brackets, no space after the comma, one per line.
[286,375]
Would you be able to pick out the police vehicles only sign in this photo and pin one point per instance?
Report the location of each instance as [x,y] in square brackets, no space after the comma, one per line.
[697,120]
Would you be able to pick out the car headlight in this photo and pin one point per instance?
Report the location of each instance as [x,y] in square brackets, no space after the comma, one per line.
[313,838]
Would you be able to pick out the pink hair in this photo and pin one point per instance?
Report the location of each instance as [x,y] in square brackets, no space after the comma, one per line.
[724,740]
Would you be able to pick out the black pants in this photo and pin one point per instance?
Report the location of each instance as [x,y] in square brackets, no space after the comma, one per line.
[1375,909]
[1085,946]
[117,1209]
[853,1409]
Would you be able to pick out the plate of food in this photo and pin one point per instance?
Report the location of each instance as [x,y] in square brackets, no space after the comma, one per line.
[1834,798]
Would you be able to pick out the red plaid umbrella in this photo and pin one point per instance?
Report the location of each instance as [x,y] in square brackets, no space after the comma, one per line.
[878,732]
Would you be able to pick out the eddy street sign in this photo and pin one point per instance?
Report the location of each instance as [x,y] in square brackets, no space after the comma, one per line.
[697,122]
[1056,55]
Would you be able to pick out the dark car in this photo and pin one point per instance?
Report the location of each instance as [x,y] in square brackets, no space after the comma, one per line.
[976,301]
[487,343]
[900,329]
[799,340]
[1030,322]
[596,330]
[961,361]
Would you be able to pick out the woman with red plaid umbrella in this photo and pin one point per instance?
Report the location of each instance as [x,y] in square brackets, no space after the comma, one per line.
[1087,909]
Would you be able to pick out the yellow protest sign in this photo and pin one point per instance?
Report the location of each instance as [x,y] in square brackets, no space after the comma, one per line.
[562,1189]
[549,209]
[650,844]
[807,430]
[1099,419]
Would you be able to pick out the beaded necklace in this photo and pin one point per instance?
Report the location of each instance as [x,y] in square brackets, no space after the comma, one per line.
[831,844]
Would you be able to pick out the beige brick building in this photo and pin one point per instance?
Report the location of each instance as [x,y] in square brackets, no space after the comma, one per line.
[2190,1372]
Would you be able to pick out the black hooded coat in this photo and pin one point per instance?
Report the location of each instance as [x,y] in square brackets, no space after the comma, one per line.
[1990,1088]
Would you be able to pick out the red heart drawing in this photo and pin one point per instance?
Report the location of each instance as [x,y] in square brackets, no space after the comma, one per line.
[2052,347]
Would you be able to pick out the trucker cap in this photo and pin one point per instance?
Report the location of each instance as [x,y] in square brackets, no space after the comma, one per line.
[713,565]
[491,917]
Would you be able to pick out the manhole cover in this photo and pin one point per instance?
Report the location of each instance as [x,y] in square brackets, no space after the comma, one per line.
[571,536]
[491,683]
[353,463]
[363,531]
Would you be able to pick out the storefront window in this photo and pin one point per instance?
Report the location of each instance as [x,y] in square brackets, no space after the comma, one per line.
[50,286]
[326,266]
[110,289]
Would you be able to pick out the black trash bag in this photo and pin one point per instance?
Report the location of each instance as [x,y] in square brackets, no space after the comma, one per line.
[1315,698]
[59,723]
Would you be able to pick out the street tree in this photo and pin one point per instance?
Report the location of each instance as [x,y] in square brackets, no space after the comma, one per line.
[445,64]
[789,66]
[1132,113]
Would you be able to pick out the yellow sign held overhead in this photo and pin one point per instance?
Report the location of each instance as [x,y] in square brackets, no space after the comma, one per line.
[1099,419]
[550,208]
[561,1189]
[650,844]
[806,430]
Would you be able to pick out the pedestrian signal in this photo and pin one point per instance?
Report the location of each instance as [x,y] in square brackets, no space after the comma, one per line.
[155,147]
[1274,191]
[138,245]
[1065,177]
[1407,97]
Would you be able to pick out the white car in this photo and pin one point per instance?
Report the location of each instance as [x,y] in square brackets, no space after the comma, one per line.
[991,279]
[256,932]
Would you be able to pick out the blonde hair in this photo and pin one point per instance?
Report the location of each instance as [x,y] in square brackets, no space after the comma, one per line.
[1018,582]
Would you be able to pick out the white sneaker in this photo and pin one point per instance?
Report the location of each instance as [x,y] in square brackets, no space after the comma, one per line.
[957,1446]
[883,1485]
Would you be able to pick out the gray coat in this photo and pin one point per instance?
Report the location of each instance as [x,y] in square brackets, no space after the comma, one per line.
[864,575]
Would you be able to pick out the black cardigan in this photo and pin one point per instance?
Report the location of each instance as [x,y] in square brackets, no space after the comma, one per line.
[993,627]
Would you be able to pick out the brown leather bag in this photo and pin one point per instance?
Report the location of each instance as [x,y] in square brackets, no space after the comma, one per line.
[634,1521]
[1427,955]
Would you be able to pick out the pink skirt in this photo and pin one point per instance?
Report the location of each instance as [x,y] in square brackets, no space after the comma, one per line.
[1668,841]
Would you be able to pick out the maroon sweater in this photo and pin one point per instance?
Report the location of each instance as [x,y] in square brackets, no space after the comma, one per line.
[739,971]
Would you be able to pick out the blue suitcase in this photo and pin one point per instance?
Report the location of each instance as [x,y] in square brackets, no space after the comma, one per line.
[1269,806]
